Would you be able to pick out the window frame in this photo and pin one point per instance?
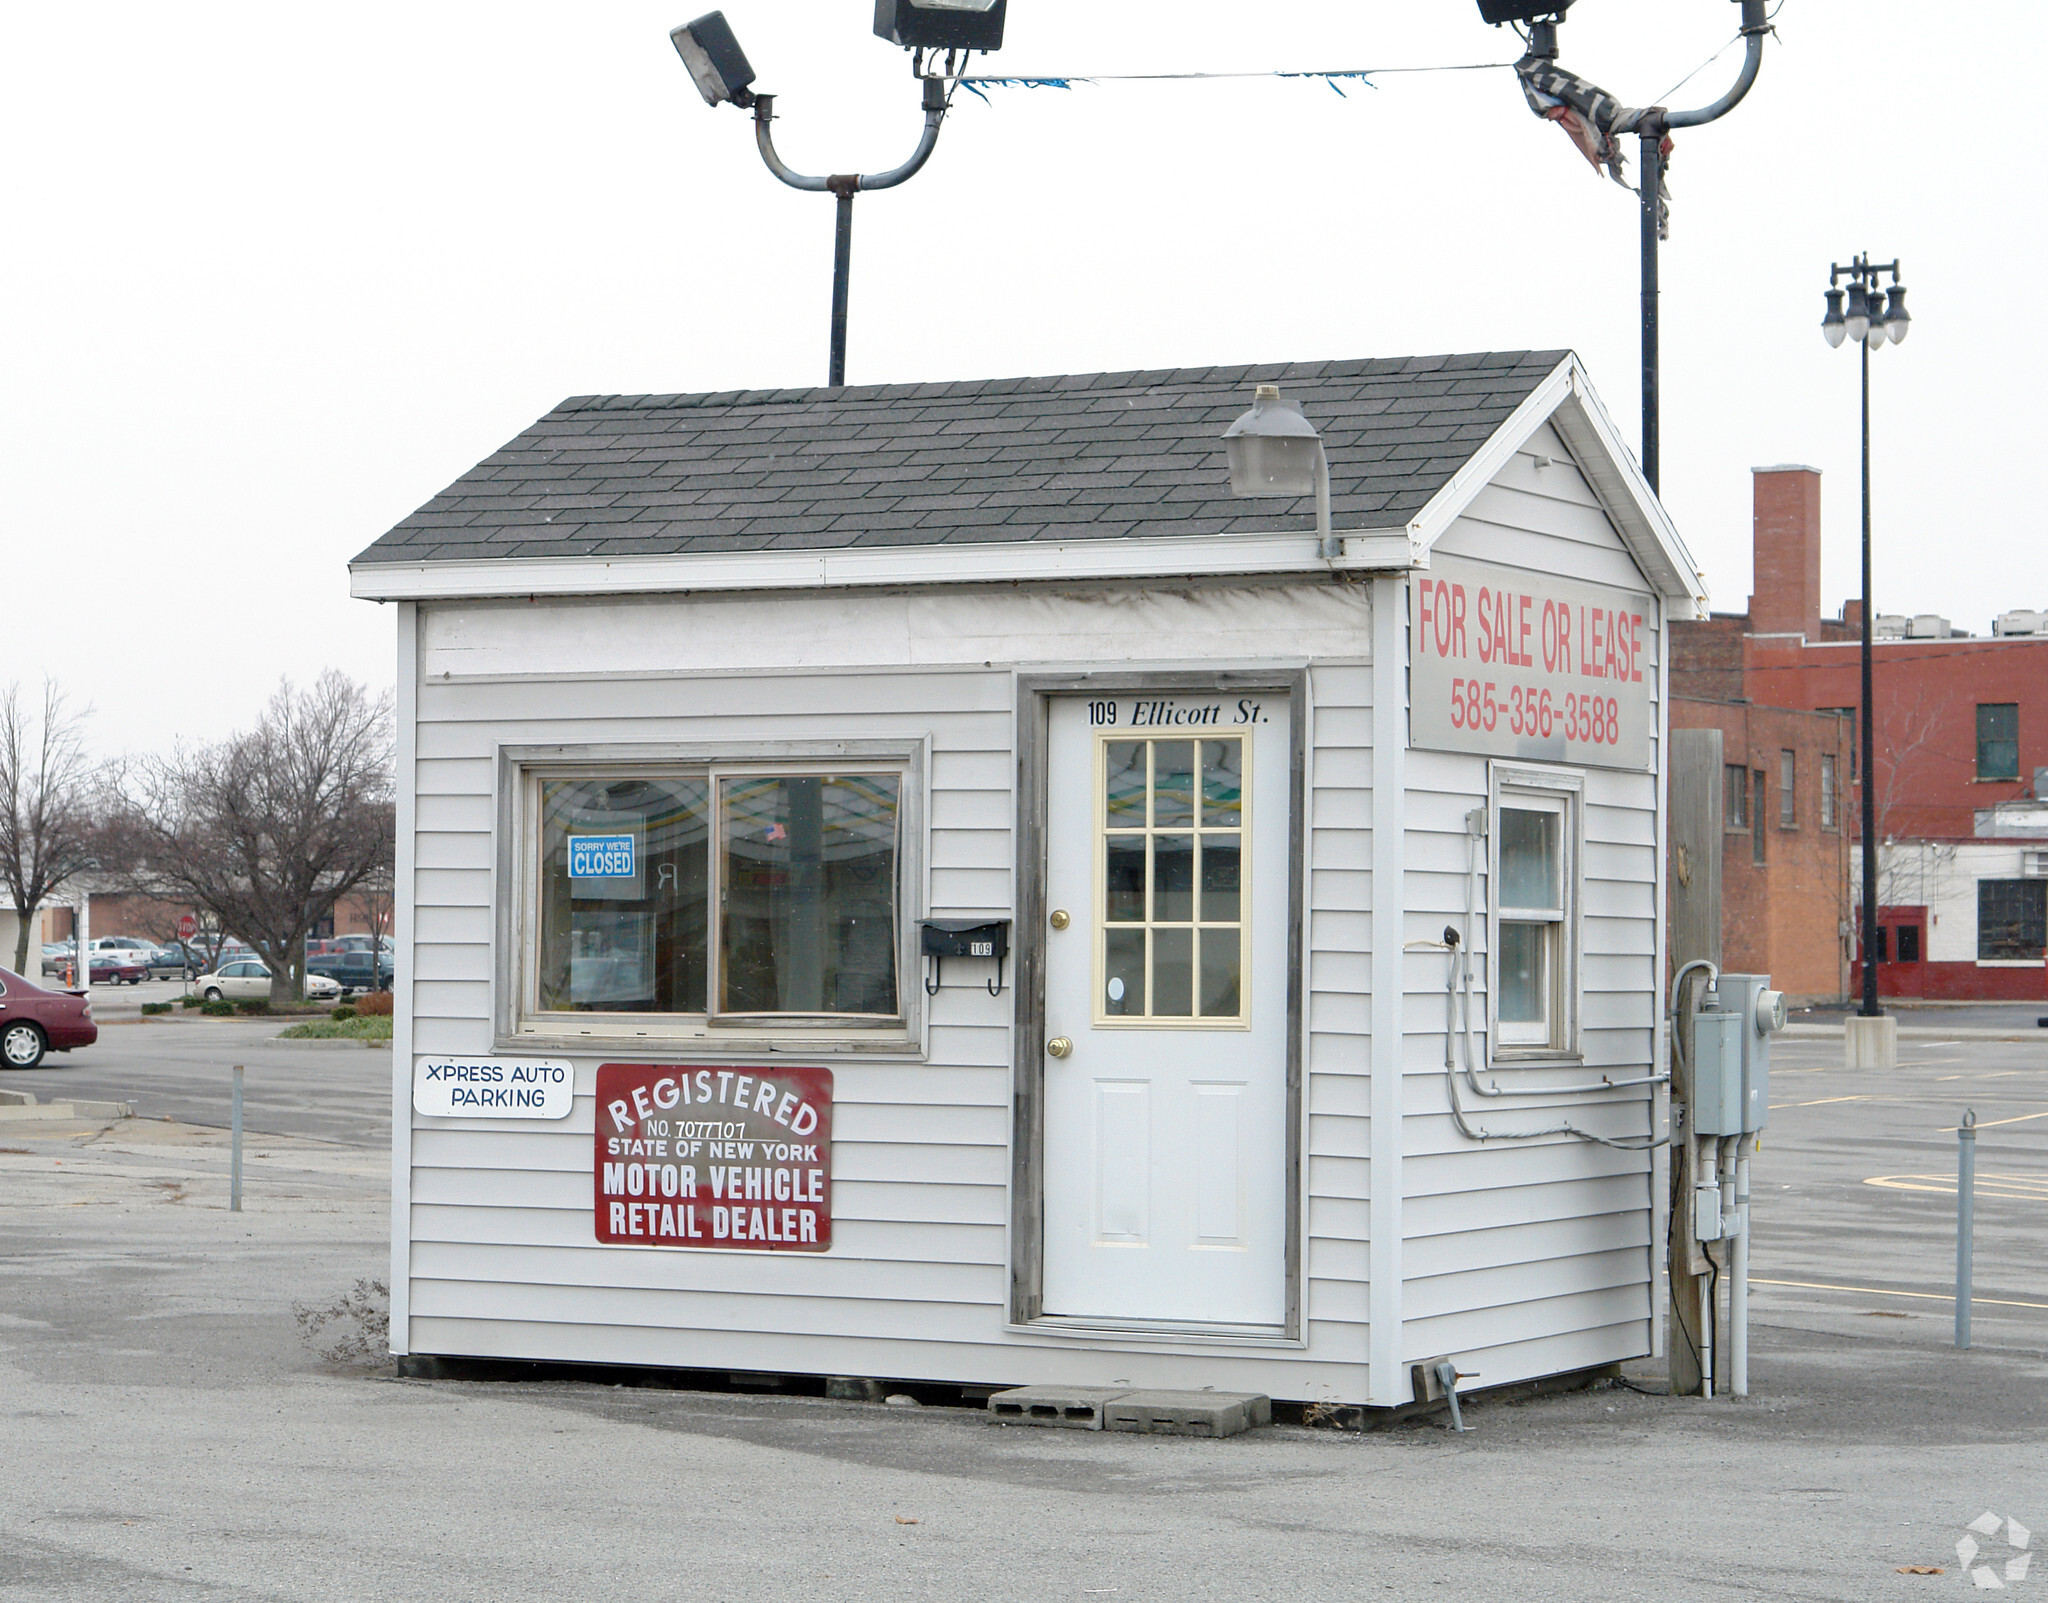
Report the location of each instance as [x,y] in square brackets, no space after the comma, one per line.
[1197,1020]
[1788,788]
[1759,781]
[1563,791]
[2012,740]
[1830,792]
[2035,889]
[518,1021]
[1735,798]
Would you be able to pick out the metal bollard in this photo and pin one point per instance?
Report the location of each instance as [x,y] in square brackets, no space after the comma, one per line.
[1966,1219]
[235,1168]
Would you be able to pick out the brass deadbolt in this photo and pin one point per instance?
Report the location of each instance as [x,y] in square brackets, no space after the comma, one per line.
[1059,919]
[1059,1046]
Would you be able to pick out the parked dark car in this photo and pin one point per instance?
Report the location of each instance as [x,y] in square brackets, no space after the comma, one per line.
[353,971]
[119,965]
[34,1021]
[173,961]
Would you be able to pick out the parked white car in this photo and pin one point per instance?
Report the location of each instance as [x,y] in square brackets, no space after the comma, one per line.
[247,980]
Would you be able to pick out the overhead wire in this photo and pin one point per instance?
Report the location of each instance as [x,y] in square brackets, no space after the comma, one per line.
[1335,77]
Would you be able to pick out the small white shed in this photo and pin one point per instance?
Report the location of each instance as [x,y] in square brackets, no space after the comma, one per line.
[918,882]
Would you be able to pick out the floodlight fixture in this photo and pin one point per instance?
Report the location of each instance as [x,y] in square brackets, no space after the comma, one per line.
[717,64]
[941,24]
[1499,11]
[1275,451]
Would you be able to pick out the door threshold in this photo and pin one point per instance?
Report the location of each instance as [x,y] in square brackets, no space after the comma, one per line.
[1165,1330]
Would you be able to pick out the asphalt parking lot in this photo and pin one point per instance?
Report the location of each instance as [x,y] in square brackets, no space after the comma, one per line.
[170,1435]
[177,1066]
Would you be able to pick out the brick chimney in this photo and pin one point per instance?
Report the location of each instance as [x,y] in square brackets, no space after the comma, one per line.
[1787,551]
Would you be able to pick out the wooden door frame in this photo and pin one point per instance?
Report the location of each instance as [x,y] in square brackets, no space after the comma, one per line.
[1027,1107]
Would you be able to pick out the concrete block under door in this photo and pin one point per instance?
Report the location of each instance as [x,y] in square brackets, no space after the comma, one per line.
[1067,1407]
[1188,1413]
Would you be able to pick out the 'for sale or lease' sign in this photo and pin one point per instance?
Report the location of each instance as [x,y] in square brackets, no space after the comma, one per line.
[704,1157]
[1509,663]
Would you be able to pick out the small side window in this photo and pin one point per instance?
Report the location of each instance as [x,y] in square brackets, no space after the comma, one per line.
[1533,906]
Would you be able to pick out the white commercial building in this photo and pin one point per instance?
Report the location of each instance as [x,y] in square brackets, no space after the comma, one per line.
[919,882]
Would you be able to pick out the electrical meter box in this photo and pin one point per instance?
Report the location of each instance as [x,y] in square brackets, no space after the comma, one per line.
[1762,1011]
[1715,1056]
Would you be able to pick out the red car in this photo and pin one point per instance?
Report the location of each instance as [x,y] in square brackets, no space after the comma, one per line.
[34,1021]
[118,966]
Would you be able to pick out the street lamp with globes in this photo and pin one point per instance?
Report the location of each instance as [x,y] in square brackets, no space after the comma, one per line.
[1870,318]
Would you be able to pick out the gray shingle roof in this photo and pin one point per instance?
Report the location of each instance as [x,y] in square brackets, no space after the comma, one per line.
[1092,456]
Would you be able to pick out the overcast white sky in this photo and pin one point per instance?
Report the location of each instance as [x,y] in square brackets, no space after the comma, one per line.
[275,274]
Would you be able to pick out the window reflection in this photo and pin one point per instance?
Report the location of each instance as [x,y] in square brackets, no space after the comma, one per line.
[809,921]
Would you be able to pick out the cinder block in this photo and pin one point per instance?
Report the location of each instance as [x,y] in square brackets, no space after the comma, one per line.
[854,1389]
[1068,1407]
[1188,1413]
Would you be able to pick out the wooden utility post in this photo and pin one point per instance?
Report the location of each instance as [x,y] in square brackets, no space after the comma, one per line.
[1695,934]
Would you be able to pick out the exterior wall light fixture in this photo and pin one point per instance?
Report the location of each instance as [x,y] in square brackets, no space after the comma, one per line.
[1275,451]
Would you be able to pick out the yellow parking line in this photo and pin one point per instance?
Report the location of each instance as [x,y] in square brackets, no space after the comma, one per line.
[1777,1105]
[2014,1187]
[1985,1124]
[1879,1291]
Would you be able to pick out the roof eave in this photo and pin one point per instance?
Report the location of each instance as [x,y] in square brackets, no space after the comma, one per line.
[1157,557]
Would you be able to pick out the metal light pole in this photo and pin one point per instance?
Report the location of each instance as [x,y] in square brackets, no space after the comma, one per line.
[1590,111]
[1869,323]
[949,29]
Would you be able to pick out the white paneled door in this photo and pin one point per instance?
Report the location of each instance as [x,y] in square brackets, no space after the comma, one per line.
[1166,1009]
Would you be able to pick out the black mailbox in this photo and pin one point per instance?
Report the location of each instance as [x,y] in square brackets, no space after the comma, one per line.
[965,937]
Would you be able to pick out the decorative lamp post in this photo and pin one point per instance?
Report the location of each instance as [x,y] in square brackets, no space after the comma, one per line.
[1870,318]
[722,74]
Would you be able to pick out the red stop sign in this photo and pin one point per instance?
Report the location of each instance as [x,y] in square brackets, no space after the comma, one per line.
[188,926]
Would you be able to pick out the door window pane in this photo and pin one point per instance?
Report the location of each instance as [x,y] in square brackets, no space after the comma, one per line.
[1173,973]
[1123,784]
[1222,784]
[1123,965]
[1222,956]
[1529,859]
[809,918]
[1220,878]
[1173,784]
[1173,879]
[1123,872]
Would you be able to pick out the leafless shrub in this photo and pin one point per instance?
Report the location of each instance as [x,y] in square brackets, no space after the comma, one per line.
[353,1329]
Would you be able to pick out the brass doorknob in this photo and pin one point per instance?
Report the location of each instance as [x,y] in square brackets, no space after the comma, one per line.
[1059,919]
[1059,1046]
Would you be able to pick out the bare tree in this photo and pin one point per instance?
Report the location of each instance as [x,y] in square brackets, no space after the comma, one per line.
[264,830]
[46,780]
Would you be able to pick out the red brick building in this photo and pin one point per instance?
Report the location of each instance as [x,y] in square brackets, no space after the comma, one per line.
[1962,727]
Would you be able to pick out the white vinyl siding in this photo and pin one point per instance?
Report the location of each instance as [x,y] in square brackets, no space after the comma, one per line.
[503,1259]
[1531,1257]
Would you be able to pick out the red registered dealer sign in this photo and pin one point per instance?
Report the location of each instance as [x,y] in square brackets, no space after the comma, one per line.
[698,1157]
